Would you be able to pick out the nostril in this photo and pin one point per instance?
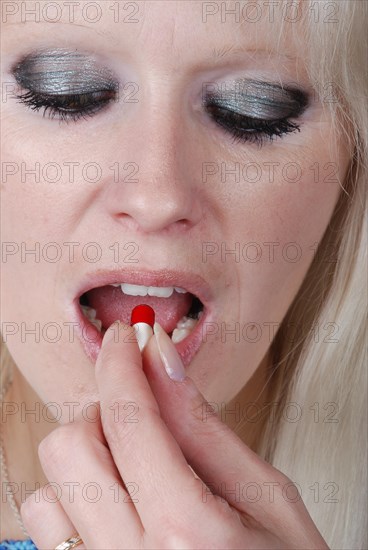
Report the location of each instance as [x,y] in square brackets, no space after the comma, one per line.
[186,224]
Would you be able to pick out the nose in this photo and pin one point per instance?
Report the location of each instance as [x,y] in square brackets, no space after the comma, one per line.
[159,190]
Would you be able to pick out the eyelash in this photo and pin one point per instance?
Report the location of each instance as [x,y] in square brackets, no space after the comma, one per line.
[252,130]
[60,105]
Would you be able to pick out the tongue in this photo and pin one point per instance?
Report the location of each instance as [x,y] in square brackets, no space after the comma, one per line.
[111,304]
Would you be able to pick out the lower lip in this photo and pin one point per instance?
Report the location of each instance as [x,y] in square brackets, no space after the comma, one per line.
[91,338]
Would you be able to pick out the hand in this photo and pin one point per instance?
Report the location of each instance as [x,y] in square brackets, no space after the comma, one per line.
[169,506]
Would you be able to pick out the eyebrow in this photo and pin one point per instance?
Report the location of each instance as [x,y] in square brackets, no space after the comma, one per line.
[226,51]
[217,55]
[99,32]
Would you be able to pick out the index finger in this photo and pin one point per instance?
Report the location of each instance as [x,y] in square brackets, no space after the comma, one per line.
[144,450]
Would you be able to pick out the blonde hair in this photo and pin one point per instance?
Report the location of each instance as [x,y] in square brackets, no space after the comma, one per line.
[327,380]
[318,436]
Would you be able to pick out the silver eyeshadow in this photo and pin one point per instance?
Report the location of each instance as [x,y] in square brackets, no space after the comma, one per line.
[257,99]
[60,72]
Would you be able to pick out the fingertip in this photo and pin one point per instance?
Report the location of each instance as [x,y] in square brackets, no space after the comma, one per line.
[118,332]
[117,335]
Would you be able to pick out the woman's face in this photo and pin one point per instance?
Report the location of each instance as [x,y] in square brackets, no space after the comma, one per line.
[152,188]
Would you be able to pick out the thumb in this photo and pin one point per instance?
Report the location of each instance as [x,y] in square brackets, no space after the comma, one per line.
[215,452]
[225,464]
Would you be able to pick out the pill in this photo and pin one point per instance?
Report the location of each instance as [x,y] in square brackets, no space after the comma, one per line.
[142,319]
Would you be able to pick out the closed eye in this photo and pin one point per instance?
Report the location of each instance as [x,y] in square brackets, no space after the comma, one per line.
[67,106]
[248,129]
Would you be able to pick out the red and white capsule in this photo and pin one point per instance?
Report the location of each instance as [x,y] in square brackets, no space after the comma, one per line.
[142,319]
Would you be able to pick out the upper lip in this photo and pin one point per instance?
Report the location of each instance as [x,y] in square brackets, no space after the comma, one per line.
[193,283]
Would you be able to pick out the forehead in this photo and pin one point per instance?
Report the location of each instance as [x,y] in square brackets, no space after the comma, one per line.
[169,32]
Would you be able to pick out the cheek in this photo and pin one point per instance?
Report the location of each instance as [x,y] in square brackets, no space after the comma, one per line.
[279,222]
[32,232]
[34,225]
[44,196]
[274,227]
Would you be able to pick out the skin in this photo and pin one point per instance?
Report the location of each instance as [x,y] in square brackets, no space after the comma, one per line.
[170,73]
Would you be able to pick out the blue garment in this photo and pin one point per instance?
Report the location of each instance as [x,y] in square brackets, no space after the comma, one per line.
[11,544]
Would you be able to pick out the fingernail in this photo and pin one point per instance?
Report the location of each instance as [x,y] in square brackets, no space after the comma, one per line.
[169,356]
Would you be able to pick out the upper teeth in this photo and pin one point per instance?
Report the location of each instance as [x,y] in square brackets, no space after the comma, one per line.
[140,290]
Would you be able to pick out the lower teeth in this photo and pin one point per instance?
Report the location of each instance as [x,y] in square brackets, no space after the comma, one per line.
[91,313]
[184,326]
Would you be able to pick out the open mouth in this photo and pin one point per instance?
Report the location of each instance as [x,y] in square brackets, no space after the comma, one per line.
[178,311]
